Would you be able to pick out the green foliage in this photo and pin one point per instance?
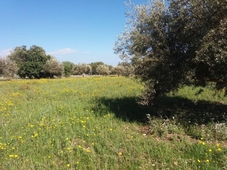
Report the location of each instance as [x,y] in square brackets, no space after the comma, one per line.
[128,68]
[30,62]
[31,70]
[7,67]
[53,68]
[123,68]
[83,68]
[68,68]
[103,70]
[19,55]
[182,43]
[94,66]
[117,70]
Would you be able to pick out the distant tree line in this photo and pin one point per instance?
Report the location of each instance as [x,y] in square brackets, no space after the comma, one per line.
[35,63]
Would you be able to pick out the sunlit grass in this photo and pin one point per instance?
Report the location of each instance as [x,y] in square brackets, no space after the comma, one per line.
[77,123]
[202,93]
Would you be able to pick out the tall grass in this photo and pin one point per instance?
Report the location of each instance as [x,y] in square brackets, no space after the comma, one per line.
[95,123]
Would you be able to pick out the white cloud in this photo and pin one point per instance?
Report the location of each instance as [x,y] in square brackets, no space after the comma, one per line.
[63,51]
[4,53]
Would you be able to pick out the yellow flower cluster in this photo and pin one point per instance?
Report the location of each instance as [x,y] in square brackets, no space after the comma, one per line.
[13,156]
[217,148]
[2,146]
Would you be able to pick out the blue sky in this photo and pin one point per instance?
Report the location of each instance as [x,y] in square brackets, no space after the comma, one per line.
[80,31]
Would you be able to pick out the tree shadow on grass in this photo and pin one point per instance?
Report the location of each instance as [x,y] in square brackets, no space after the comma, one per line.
[182,109]
[185,110]
[126,108]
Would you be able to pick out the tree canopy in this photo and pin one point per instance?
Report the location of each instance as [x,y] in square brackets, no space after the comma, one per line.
[53,68]
[35,63]
[68,68]
[103,70]
[94,66]
[82,68]
[7,67]
[176,43]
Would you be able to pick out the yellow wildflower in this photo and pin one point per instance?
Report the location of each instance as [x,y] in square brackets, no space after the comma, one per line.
[13,156]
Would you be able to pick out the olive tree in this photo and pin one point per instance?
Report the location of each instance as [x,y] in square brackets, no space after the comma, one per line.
[127,68]
[7,67]
[103,70]
[175,43]
[83,68]
[94,66]
[53,68]
[119,70]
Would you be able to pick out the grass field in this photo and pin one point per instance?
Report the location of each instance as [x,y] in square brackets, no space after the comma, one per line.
[96,123]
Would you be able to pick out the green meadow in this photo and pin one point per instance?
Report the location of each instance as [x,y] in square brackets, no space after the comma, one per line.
[96,123]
